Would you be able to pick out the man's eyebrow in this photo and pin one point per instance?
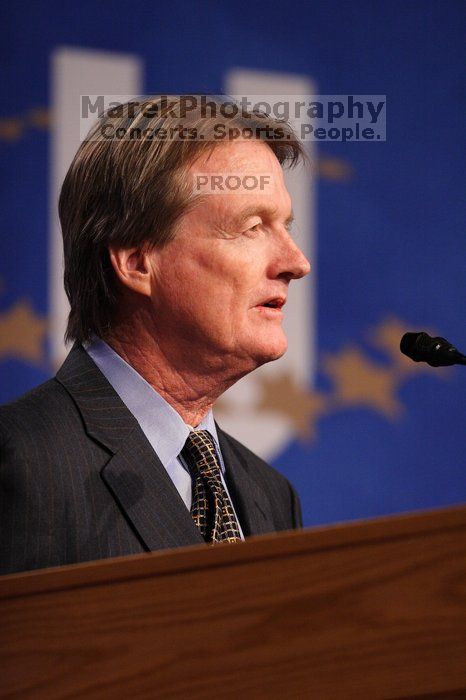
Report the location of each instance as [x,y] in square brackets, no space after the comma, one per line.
[254,210]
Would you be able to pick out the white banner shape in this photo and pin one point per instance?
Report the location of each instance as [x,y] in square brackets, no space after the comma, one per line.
[76,72]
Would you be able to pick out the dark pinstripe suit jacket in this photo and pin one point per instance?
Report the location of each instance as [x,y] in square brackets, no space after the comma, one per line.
[79,480]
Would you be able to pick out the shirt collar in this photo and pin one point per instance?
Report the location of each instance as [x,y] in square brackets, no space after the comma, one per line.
[163,426]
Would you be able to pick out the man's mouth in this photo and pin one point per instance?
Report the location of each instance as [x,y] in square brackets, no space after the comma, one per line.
[273,305]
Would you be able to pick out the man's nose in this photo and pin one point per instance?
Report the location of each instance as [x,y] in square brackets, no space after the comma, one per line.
[292,261]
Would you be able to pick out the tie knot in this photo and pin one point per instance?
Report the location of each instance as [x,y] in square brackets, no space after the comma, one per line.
[200,449]
[200,440]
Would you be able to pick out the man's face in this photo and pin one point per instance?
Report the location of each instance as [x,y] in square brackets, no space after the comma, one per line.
[231,257]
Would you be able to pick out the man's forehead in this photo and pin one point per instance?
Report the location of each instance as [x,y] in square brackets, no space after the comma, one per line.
[241,180]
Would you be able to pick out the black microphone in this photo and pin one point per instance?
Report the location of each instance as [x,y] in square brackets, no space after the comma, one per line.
[437,352]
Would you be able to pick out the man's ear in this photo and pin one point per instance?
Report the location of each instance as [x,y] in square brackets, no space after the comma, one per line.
[133,268]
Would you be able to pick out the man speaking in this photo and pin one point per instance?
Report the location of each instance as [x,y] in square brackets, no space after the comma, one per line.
[177,268]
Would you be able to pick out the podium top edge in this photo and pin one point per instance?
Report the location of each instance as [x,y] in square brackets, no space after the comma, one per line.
[254,549]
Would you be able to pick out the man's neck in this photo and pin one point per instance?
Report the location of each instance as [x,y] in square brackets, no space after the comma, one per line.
[191,389]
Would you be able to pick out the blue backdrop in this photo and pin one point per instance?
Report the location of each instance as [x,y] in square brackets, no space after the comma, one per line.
[391,247]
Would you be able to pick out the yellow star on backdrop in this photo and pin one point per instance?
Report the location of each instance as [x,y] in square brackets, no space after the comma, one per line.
[11,129]
[299,404]
[360,382]
[39,118]
[334,169]
[22,333]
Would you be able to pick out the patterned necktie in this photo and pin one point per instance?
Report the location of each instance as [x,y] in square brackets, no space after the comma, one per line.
[211,507]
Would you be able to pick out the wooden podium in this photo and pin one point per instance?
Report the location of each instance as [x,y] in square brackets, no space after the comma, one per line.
[367,610]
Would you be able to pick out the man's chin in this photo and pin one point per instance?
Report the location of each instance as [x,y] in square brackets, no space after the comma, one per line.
[271,351]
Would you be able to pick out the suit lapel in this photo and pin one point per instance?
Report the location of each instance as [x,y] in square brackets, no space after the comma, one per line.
[142,487]
[134,474]
[251,503]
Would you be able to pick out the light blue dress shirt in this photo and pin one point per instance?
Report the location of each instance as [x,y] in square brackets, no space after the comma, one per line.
[161,424]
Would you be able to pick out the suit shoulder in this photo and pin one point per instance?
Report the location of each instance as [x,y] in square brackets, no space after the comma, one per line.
[46,404]
[283,498]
